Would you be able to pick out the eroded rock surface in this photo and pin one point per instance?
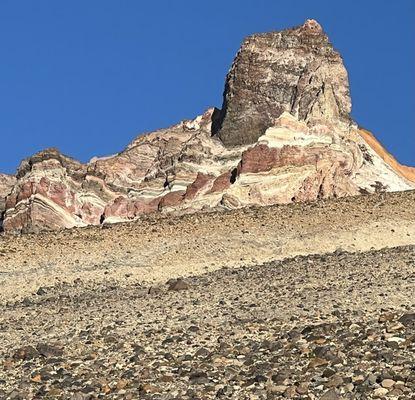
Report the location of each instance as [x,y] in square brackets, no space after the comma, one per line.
[283,135]
[6,184]
[296,70]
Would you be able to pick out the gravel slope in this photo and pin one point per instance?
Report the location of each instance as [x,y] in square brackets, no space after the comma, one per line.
[305,301]
[332,326]
[156,249]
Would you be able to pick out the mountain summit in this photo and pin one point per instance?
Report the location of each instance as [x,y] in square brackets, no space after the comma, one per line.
[284,134]
[295,71]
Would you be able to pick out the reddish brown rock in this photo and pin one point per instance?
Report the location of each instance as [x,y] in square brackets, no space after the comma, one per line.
[121,207]
[261,158]
[171,199]
[48,195]
[125,209]
[201,182]
[223,181]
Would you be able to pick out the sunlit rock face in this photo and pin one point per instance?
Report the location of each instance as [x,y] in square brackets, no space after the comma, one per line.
[6,185]
[296,71]
[284,135]
[53,191]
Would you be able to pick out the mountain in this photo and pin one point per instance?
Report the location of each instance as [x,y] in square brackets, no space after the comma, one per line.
[284,134]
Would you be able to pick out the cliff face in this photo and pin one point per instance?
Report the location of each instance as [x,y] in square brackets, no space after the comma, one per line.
[295,71]
[6,184]
[284,135]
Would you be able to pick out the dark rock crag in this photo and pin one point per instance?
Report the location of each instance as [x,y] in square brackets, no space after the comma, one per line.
[296,70]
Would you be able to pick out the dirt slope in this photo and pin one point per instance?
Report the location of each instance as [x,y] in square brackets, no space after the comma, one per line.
[96,313]
[157,249]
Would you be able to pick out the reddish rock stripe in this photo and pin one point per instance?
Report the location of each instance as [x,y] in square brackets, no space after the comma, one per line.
[201,181]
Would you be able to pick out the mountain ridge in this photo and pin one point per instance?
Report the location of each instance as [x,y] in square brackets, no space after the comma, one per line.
[284,134]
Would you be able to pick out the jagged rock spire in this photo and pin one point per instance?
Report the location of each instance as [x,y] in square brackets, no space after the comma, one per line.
[295,70]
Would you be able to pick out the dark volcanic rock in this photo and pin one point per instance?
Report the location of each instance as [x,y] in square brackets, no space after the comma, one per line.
[408,320]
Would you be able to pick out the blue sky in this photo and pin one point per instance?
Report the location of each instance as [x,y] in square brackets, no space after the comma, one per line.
[87,76]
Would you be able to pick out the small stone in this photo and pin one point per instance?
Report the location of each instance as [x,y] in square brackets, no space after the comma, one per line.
[54,392]
[335,381]
[193,328]
[279,378]
[198,378]
[349,387]
[395,328]
[302,388]
[396,339]
[317,362]
[25,353]
[37,378]
[106,389]
[386,317]
[331,394]
[328,372]
[177,285]
[358,379]
[278,389]
[88,389]
[291,392]
[380,392]
[354,328]
[202,352]
[121,384]
[371,379]
[166,378]
[41,291]
[47,350]
[154,290]
[395,392]
[148,388]
[16,395]
[224,391]
[408,320]
[388,383]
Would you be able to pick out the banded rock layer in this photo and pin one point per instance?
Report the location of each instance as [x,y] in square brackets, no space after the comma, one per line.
[284,134]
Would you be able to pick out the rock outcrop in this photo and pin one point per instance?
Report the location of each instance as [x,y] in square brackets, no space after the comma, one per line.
[284,135]
[6,184]
[295,71]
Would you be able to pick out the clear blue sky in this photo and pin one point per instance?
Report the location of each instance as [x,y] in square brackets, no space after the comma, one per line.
[87,76]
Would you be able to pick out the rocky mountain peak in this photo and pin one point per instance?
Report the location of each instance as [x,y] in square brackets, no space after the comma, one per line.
[296,70]
[52,157]
[312,27]
[283,135]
